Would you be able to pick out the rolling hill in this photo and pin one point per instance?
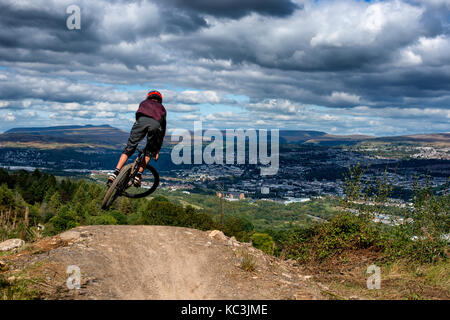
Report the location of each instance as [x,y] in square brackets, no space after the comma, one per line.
[110,137]
[438,139]
[64,136]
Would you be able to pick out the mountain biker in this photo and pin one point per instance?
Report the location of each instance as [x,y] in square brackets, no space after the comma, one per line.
[150,122]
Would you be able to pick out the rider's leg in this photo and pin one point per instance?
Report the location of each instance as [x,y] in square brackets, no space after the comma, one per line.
[137,133]
[138,178]
[152,127]
[144,163]
[123,159]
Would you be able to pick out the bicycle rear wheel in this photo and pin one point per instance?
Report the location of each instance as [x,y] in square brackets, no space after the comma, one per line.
[117,187]
[150,181]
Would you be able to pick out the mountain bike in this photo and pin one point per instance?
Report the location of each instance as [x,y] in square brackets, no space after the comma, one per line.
[123,184]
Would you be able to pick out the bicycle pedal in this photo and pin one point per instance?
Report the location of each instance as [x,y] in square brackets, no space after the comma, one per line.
[137,182]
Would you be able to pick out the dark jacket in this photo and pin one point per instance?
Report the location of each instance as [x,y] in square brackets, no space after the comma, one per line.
[155,110]
[151,108]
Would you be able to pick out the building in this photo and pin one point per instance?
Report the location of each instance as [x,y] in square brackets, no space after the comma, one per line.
[231,196]
[236,195]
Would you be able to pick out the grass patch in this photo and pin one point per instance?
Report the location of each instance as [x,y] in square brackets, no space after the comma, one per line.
[12,288]
[248,262]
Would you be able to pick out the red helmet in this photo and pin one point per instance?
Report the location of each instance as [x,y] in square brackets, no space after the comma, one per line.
[155,95]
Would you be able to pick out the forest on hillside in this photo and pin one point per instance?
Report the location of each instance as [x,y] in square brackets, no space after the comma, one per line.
[29,199]
[35,201]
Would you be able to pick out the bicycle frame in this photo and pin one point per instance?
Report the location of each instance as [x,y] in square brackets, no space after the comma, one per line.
[137,163]
[125,180]
[134,172]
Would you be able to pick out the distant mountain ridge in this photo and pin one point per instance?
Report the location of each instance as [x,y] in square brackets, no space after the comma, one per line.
[103,135]
[431,138]
[106,135]
[55,128]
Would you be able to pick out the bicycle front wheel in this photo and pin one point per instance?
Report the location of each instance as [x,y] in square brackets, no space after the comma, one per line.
[150,181]
[117,187]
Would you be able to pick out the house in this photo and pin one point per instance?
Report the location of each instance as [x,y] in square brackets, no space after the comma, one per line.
[236,195]
[231,196]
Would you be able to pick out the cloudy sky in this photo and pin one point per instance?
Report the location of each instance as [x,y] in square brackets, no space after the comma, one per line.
[340,66]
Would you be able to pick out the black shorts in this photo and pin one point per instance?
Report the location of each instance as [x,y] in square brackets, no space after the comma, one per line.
[144,126]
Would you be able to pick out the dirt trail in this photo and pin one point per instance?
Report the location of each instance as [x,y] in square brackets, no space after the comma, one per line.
[158,262]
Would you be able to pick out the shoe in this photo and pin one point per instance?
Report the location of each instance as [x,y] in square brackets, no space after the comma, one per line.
[137,181]
[111,179]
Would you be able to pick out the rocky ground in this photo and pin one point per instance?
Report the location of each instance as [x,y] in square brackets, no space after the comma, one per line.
[156,262]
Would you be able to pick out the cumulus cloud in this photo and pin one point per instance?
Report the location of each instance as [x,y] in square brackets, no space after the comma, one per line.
[275,106]
[344,98]
[197,97]
[9,116]
[180,108]
[269,60]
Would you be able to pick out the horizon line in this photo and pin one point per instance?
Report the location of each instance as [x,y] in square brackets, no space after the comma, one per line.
[284,129]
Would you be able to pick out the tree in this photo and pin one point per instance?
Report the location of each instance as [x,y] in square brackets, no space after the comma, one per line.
[65,219]
[55,202]
[238,227]
[6,197]
[103,219]
[125,206]
[263,242]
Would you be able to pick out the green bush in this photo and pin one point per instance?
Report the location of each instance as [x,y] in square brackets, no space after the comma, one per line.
[103,219]
[6,197]
[65,219]
[160,212]
[345,231]
[422,238]
[419,239]
[263,242]
[119,217]
[238,227]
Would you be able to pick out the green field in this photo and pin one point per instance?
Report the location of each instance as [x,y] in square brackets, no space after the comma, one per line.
[263,214]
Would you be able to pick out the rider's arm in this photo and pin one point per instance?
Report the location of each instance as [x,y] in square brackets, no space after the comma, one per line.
[163,132]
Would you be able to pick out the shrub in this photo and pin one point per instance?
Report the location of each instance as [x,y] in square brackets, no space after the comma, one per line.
[247,262]
[263,242]
[345,231]
[160,212]
[103,219]
[65,219]
[419,239]
[422,238]
[237,227]
[119,217]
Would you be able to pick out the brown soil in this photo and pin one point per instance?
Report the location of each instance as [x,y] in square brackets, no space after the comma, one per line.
[158,262]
